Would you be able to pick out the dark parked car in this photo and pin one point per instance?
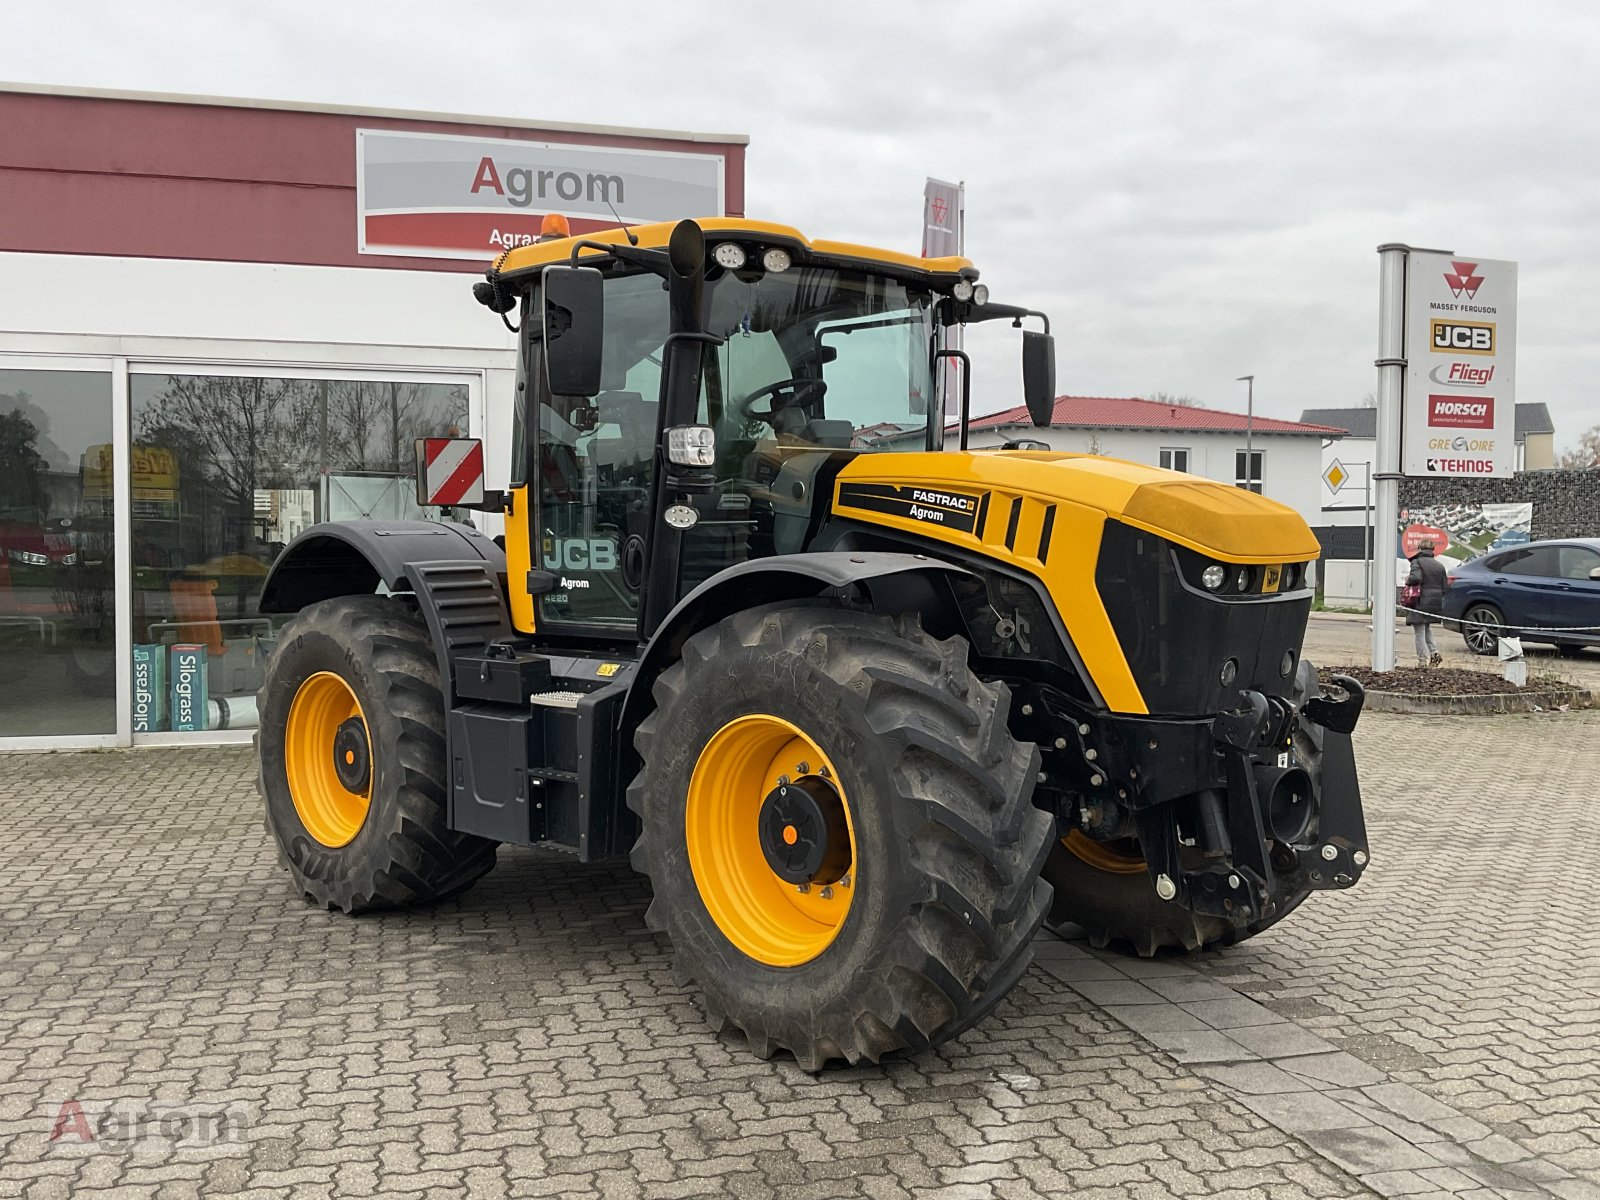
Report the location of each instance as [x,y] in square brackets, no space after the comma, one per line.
[1526,591]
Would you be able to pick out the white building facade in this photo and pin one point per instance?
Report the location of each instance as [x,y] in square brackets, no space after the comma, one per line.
[224,321]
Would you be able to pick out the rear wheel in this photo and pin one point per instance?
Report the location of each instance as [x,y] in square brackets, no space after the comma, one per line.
[839,832]
[352,760]
[1482,628]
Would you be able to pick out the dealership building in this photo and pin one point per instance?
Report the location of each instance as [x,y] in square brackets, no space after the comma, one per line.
[225,320]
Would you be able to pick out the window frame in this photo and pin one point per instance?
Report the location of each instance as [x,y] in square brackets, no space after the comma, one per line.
[1248,480]
[1167,458]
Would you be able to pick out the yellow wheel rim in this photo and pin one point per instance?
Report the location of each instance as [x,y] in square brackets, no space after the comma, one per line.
[1119,858]
[767,917]
[327,758]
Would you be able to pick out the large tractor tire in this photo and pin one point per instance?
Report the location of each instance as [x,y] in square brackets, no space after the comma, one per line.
[839,831]
[351,752]
[1105,889]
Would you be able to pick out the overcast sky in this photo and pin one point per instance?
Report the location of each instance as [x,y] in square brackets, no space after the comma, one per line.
[1193,191]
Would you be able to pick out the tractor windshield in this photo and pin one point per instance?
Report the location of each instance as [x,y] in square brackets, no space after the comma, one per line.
[827,357]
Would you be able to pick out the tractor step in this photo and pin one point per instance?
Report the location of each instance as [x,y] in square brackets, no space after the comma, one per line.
[538,768]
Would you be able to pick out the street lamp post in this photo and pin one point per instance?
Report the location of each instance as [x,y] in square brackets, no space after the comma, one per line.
[1249,427]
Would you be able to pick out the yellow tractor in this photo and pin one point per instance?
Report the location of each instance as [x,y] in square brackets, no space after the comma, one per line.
[866,709]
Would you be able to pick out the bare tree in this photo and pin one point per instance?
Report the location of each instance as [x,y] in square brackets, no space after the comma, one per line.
[1176,401]
[1586,453]
[1370,400]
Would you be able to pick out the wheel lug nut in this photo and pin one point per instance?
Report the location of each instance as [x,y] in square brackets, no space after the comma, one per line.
[803,887]
[844,881]
[827,893]
[803,768]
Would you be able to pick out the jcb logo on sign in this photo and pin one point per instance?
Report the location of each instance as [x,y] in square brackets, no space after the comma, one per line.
[1462,337]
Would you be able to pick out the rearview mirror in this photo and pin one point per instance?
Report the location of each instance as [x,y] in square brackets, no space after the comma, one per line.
[574,329]
[1039,375]
[1595,574]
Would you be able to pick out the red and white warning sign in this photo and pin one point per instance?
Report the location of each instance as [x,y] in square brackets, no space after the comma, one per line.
[449,471]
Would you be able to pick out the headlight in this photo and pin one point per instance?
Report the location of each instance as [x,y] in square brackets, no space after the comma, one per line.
[1214,577]
[29,557]
[980,294]
[729,255]
[775,260]
[1291,576]
[692,445]
[1241,581]
[962,291]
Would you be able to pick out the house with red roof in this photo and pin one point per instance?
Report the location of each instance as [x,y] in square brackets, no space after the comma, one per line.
[1280,459]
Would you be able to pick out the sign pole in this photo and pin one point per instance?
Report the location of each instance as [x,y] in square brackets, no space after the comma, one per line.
[1391,364]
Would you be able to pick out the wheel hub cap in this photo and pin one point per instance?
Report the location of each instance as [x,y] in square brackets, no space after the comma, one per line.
[803,832]
[352,759]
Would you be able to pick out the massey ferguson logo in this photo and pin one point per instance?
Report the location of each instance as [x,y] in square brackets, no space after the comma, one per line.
[1461,337]
[1460,374]
[1461,412]
[1461,280]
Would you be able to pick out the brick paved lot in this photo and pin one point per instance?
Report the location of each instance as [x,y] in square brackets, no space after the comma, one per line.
[528,1039]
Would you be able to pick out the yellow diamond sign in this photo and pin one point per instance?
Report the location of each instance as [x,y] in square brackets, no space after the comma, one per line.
[1335,476]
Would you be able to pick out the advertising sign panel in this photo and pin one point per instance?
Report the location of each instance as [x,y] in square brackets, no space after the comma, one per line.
[443,196]
[1459,417]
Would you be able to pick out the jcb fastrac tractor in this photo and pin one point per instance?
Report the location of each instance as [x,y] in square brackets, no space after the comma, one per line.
[864,708]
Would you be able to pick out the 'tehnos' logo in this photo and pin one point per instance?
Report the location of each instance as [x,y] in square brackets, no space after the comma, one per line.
[1460,374]
[1461,412]
[1461,280]
[1461,337]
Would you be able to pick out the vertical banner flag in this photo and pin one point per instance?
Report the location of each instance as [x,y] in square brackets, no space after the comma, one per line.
[944,219]
[1459,415]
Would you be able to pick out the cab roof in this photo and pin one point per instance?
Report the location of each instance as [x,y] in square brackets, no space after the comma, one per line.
[531,258]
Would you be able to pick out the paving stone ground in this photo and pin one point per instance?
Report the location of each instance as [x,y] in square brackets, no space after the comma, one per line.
[528,1039]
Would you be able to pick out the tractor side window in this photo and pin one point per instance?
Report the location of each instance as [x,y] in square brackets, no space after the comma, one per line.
[596,465]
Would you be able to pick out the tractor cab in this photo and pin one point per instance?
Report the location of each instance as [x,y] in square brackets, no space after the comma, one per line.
[688,394]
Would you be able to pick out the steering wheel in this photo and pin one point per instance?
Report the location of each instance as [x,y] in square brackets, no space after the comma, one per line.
[802,388]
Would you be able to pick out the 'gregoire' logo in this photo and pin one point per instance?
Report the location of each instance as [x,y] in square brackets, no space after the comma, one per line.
[1461,280]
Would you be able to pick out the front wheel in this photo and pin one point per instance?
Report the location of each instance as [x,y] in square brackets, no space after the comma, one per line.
[839,832]
[351,750]
[1482,628]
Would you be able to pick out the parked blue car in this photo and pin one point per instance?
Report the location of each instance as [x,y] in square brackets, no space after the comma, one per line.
[1528,591]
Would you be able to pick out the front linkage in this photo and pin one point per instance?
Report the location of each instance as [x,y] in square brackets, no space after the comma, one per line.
[1237,815]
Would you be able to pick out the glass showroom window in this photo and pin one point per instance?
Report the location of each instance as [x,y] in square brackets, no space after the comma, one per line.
[226,470]
[57,616]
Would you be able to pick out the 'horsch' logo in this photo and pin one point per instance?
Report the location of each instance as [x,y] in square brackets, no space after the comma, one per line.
[1461,412]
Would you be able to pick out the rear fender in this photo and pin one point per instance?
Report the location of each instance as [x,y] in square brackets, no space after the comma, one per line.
[456,575]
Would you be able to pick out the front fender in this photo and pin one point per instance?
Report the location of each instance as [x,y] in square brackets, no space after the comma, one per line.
[894,582]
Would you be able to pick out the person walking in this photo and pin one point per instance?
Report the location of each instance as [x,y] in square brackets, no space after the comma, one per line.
[1429,578]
